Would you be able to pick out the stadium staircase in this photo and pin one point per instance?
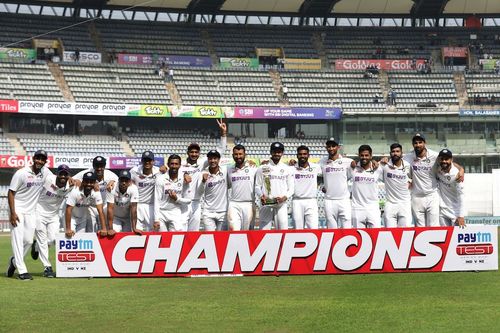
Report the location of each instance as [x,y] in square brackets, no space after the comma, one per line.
[96,38]
[207,41]
[58,75]
[124,144]
[278,86]
[14,141]
[174,93]
[383,80]
[436,60]
[461,88]
[317,43]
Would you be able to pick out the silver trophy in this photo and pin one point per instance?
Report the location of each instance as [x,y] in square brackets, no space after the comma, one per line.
[266,172]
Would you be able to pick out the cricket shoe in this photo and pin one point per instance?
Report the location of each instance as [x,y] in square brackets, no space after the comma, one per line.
[11,269]
[25,277]
[34,251]
[48,272]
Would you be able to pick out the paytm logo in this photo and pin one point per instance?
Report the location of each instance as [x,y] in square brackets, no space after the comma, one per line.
[80,244]
[478,237]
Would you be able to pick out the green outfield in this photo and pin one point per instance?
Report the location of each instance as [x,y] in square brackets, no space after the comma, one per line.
[425,302]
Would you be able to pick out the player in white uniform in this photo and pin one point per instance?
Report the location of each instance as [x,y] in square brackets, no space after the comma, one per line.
[241,182]
[171,199]
[144,177]
[336,172]
[55,190]
[24,190]
[365,202]
[81,200]
[274,184]
[106,179]
[192,168]
[213,186]
[397,210]
[451,192]
[305,202]
[122,204]
[424,193]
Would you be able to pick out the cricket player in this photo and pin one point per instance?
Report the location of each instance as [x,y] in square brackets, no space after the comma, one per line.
[305,202]
[241,183]
[274,184]
[336,171]
[172,198]
[424,192]
[106,179]
[396,174]
[122,204]
[24,191]
[144,177]
[81,200]
[451,192]
[213,186]
[192,168]
[54,192]
[365,205]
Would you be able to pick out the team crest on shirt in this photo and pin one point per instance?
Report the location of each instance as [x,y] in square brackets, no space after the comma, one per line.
[247,171]
[282,171]
[448,177]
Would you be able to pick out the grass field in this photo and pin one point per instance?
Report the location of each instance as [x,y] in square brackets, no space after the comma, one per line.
[424,302]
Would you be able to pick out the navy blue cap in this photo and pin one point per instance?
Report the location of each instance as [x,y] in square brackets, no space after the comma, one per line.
[213,153]
[40,152]
[418,136]
[445,153]
[99,160]
[332,141]
[148,155]
[63,168]
[89,176]
[277,146]
[124,174]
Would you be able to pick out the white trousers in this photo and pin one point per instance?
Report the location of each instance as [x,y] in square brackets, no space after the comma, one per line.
[398,214]
[22,238]
[81,224]
[172,220]
[145,216]
[368,217]
[305,213]
[426,210]
[121,224]
[45,233]
[194,216]
[240,215]
[273,215]
[214,220]
[338,213]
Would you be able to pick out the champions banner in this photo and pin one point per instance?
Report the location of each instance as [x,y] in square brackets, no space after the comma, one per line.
[295,252]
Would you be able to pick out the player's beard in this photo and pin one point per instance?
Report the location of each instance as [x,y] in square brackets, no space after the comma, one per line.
[364,162]
[395,159]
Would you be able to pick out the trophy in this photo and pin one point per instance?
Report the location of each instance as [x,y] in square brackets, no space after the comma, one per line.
[266,171]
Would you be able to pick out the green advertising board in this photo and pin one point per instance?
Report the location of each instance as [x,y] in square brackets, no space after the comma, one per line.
[239,63]
[150,110]
[20,55]
[204,111]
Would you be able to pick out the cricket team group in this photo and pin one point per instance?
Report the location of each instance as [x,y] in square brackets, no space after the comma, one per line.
[423,188]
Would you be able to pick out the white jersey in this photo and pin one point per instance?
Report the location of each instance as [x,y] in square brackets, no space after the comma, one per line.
[280,177]
[51,197]
[145,183]
[306,181]
[164,184]
[335,176]
[215,190]
[241,182]
[396,180]
[27,185]
[108,177]
[82,204]
[365,187]
[451,193]
[422,173]
[122,201]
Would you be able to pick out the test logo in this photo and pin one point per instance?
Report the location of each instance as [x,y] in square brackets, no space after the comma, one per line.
[76,251]
[474,249]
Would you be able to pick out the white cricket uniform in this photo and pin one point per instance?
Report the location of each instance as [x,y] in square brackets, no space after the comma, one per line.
[365,202]
[282,184]
[424,194]
[305,202]
[146,186]
[108,177]
[241,207]
[337,196]
[83,216]
[27,187]
[121,208]
[171,214]
[47,215]
[214,199]
[194,170]
[397,210]
[451,197]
